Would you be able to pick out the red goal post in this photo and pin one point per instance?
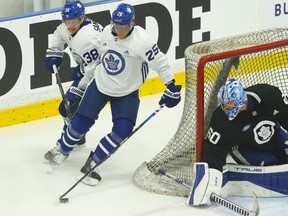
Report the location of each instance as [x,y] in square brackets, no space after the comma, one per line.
[263,58]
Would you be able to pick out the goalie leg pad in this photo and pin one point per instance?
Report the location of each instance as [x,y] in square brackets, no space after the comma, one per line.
[207,181]
[264,181]
[201,178]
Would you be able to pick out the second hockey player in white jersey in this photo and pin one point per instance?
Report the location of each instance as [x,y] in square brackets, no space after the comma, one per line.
[127,52]
[82,35]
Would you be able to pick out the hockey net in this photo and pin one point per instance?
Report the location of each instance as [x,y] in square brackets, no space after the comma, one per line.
[263,58]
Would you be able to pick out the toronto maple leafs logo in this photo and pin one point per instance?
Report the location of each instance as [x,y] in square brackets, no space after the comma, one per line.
[113,62]
[263,131]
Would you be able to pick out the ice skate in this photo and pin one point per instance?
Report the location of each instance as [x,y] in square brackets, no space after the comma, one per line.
[49,156]
[53,152]
[58,159]
[54,156]
[93,178]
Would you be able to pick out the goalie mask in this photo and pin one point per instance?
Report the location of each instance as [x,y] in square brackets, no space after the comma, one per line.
[232,97]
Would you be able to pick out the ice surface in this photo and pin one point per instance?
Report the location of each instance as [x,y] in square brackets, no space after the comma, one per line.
[29,187]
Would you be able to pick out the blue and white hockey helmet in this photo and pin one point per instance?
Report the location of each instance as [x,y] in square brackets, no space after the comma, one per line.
[232,97]
[72,10]
[123,15]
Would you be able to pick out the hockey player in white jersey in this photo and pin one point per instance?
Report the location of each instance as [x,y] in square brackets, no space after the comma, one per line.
[127,52]
[82,35]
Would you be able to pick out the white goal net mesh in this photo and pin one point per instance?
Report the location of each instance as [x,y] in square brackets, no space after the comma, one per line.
[263,58]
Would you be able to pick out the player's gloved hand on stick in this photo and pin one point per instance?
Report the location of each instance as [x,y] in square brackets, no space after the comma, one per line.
[172,95]
[77,73]
[53,57]
[73,96]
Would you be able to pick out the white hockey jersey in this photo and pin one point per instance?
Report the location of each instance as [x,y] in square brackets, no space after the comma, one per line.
[84,46]
[125,62]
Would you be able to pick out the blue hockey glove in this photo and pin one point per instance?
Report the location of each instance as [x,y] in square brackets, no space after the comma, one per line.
[73,97]
[77,73]
[53,58]
[172,95]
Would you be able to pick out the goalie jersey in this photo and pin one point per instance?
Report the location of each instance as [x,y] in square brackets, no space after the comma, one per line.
[113,77]
[255,128]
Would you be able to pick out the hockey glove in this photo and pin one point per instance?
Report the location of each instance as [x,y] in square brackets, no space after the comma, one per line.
[77,73]
[172,95]
[53,57]
[73,96]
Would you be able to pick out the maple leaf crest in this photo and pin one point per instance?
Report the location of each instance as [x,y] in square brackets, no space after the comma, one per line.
[112,64]
[265,132]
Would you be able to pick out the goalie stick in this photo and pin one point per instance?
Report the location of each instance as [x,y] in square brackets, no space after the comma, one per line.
[69,114]
[63,199]
[221,200]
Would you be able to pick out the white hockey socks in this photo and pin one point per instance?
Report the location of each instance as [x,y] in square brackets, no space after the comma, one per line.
[206,182]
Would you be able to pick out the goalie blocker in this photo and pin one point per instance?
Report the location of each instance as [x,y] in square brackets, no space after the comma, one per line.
[238,180]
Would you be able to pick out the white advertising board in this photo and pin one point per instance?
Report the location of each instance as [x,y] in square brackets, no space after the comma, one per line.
[175,24]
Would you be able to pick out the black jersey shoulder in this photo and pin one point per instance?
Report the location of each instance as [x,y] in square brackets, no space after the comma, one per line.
[265,94]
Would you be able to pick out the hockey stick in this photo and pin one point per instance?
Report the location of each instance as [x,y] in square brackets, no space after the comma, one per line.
[220,200]
[65,102]
[62,197]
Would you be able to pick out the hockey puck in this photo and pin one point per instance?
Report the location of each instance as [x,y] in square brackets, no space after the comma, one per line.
[64,200]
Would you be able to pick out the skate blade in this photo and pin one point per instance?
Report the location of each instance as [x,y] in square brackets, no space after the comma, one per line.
[88,180]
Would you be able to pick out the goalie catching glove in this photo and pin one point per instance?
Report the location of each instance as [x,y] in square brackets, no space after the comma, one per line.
[206,182]
[73,96]
[53,57]
[172,95]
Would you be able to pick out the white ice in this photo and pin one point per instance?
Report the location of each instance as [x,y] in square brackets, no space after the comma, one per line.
[29,187]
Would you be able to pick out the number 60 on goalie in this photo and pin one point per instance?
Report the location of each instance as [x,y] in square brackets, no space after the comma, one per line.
[213,136]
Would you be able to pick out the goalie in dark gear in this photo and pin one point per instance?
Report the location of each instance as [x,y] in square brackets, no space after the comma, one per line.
[251,125]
